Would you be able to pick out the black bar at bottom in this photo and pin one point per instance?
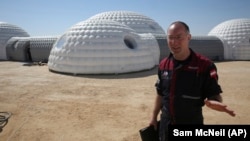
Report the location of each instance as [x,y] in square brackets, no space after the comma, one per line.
[217,132]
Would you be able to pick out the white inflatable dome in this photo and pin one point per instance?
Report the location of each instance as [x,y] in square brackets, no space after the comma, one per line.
[103,47]
[6,32]
[235,35]
[140,23]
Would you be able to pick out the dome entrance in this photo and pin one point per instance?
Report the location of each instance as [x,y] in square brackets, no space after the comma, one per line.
[130,42]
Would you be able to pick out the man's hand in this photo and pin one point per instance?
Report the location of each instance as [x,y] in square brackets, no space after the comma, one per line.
[218,106]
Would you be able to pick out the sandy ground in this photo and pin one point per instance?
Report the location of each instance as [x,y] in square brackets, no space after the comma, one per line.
[48,106]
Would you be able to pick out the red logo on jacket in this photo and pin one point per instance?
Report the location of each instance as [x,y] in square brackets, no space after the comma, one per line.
[213,73]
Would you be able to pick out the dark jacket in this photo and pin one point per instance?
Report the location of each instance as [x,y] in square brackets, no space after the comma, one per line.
[184,85]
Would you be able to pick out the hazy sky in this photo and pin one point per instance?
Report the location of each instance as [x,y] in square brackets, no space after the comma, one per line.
[54,17]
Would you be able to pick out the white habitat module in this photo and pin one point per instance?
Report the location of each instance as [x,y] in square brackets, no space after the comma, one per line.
[140,23]
[8,31]
[99,46]
[235,35]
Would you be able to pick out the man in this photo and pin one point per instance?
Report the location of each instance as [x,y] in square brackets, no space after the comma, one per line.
[187,81]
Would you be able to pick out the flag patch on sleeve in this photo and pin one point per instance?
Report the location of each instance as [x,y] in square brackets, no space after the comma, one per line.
[213,73]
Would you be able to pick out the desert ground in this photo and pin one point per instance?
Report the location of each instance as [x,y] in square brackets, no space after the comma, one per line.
[48,106]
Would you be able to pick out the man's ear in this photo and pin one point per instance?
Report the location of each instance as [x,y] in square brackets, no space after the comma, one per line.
[189,36]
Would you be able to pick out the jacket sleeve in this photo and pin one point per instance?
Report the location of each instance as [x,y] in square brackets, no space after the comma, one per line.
[158,84]
[212,87]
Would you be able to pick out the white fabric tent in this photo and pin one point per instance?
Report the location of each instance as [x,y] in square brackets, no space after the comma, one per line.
[6,32]
[99,46]
[140,23]
[235,35]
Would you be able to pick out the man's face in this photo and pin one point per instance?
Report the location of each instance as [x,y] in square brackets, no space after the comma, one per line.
[178,38]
